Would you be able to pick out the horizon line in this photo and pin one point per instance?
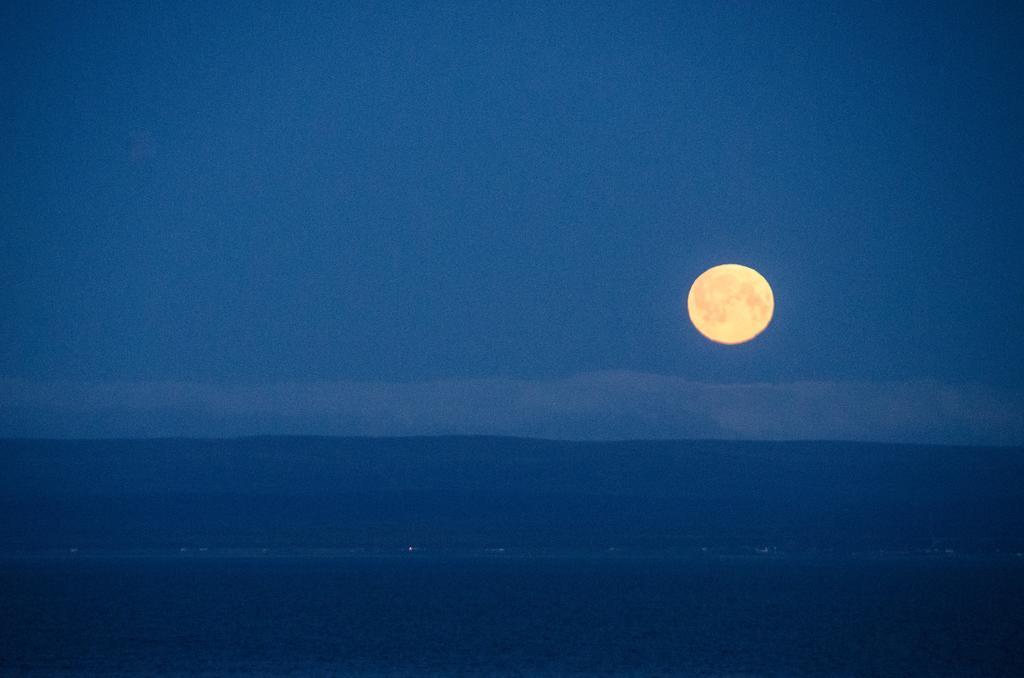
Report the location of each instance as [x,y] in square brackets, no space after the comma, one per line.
[485,436]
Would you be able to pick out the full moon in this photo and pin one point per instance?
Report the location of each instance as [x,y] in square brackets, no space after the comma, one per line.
[730,304]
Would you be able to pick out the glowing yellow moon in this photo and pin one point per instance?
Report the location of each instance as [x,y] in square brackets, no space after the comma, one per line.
[730,303]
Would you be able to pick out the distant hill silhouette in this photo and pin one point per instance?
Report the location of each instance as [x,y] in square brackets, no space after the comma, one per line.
[486,492]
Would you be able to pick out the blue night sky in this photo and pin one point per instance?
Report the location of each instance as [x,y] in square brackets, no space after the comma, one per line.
[485,217]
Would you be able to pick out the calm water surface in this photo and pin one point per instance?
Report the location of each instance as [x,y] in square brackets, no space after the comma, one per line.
[434,615]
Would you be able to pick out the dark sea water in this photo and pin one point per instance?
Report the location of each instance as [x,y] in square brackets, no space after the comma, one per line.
[422,614]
